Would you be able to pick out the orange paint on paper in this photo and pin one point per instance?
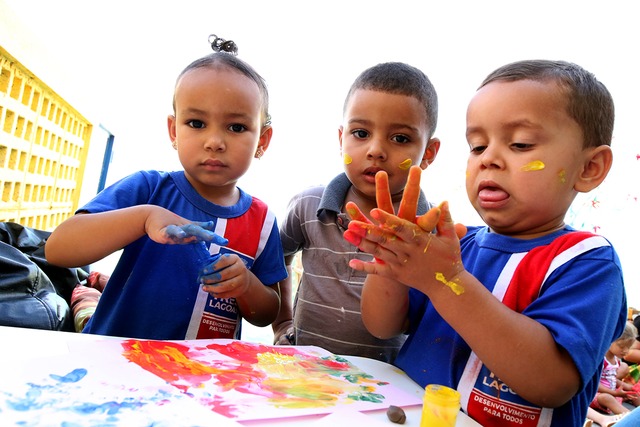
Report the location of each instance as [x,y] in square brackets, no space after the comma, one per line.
[535,165]
[347,159]
[456,288]
[285,376]
[168,361]
[405,164]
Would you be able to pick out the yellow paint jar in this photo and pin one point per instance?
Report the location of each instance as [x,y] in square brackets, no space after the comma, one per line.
[441,406]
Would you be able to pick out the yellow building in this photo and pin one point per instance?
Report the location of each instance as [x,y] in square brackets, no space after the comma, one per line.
[44,140]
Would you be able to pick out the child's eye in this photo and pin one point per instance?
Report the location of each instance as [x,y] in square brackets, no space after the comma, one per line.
[478,149]
[360,133]
[402,139]
[196,124]
[521,146]
[237,127]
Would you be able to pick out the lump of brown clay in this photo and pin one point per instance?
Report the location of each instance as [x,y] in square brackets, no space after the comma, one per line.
[396,414]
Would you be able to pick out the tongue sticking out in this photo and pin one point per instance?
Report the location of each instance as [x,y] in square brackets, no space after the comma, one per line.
[492,195]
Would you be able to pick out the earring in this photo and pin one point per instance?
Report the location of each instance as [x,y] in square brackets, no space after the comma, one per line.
[174,144]
[259,153]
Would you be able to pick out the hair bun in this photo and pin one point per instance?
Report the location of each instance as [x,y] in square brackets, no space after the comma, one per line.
[219,44]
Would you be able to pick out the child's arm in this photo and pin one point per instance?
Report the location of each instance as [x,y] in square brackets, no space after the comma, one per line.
[625,387]
[606,390]
[385,302]
[88,237]
[283,325]
[384,306]
[542,373]
[229,277]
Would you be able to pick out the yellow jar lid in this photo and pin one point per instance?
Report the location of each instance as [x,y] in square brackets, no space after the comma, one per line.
[442,394]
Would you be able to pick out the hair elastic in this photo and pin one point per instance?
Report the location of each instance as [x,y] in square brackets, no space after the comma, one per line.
[219,44]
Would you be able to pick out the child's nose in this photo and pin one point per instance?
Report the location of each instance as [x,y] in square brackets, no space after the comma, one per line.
[214,140]
[490,157]
[376,149]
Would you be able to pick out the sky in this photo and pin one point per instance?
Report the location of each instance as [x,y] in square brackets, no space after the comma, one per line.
[116,62]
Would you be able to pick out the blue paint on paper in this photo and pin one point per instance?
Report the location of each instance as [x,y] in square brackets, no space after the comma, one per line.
[72,377]
[109,408]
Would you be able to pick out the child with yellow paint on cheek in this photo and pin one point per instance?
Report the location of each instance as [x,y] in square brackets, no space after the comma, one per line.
[389,119]
[516,315]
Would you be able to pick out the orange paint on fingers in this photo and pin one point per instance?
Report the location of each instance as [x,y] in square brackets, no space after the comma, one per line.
[409,203]
[352,237]
[360,228]
[355,213]
[383,195]
[429,220]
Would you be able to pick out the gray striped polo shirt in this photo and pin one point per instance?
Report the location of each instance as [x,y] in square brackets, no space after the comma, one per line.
[327,303]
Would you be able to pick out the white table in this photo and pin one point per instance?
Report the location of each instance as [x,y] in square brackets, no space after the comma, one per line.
[20,345]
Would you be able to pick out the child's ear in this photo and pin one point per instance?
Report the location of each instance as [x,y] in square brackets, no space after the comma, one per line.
[597,163]
[171,127]
[340,131]
[430,153]
[265,138]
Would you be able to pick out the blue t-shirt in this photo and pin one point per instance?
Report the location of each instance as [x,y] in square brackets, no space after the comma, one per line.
[154,292]
[581,302]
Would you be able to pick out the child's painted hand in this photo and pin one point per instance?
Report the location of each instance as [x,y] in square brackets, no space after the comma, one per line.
[405,247]
[408,204]
[226,276]
[409,253]
[410,195]
[194,232]
[163,226]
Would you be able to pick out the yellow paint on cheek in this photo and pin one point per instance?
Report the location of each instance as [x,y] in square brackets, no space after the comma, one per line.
[456,288]
[405,164]
[347,159]
[563,176]
[536,165]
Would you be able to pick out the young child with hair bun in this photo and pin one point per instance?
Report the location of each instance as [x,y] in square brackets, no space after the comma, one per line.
[199,254]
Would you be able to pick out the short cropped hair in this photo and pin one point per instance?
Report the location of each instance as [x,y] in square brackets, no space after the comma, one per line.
[220,60]
[589,102]
[400,79]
